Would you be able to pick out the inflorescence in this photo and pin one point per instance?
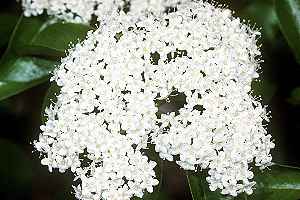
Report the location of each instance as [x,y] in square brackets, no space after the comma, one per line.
[106,114]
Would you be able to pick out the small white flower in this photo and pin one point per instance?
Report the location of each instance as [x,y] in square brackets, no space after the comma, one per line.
[82,11]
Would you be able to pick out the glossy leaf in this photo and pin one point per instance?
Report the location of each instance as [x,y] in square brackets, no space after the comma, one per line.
[35,48]
[278,182]
[288,12]
[23,73]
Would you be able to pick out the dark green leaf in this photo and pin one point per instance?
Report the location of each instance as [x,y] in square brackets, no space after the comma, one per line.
[278,182]
[59,35]
[25,72]
[41,31]
[288,12]
[34,50]
[7,23]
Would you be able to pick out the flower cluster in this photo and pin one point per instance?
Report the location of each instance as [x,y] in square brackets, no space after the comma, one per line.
[81,11]
[107,112]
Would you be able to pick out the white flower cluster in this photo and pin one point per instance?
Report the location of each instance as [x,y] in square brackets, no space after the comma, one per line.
[81,11]
[107,112]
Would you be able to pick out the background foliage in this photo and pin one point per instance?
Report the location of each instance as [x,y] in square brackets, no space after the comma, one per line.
[31,47]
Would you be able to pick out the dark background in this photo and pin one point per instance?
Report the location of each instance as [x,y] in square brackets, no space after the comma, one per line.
[22,176]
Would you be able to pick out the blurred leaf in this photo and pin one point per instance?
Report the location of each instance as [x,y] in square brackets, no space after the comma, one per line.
[288,12]
[263,14]
[15,168]
[295,96]
[7,23]
[280,182]
[34,50]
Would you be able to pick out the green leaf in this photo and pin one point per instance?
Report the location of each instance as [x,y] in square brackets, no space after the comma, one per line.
[7,23]
[35,48]
[278,182]
[20,73]
[288,12]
